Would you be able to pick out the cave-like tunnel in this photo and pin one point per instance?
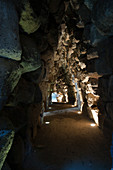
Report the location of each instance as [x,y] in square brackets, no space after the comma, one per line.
[56,84]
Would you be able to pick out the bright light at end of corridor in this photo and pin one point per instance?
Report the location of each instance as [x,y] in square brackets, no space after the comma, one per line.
[47,123]
[93,124]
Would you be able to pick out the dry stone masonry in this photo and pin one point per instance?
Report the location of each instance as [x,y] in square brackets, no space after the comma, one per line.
[44,45]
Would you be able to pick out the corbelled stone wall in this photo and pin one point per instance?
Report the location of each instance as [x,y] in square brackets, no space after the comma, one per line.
[44,44]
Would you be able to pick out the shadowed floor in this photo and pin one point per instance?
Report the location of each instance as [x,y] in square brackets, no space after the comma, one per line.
[69,142]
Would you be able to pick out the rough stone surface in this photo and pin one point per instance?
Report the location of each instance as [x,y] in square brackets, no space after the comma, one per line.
[9,77]
[9,31]
[90,3]
[103,88]
[6,138]
[30,56]
[74,40]
[28,20]
[92,53]
[110,88]
[95,36]
[35,76]
[109,109]
[16,153]
[6,166]
[24,92]
[103,16]
[84,10]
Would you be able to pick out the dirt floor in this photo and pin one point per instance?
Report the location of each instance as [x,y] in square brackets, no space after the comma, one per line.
[69,142]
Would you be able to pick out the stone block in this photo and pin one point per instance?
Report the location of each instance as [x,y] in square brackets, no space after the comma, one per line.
[28,19]
[9,31]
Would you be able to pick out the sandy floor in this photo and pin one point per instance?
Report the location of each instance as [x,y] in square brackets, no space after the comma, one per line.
[70,143]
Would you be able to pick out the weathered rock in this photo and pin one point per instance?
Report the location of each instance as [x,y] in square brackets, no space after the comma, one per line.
[89,3]
[110,88]
[92,35]
[26,92]
[104,64]
[9,32]
[28,19]
[6,138]
[23,93]
[17,114]
[102,15]
[92,53]
[11,71]
[92,99]
[109,109]
[9,77]
[6,166]
[30,56]
[16,153]
[35,76]
[84,13]
[95,36]
[101,65]
[34,111]
[52,37]
[103,85]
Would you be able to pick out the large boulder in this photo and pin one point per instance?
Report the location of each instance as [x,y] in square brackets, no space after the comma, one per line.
[11,71]
[9,31]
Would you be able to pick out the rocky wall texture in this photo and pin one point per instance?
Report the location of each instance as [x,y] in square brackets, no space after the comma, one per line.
[44,44]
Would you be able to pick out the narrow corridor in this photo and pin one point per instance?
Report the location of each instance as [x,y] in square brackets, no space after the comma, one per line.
[69,142]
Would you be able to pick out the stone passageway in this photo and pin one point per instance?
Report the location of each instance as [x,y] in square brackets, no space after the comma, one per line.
[61,49]
[69,142]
